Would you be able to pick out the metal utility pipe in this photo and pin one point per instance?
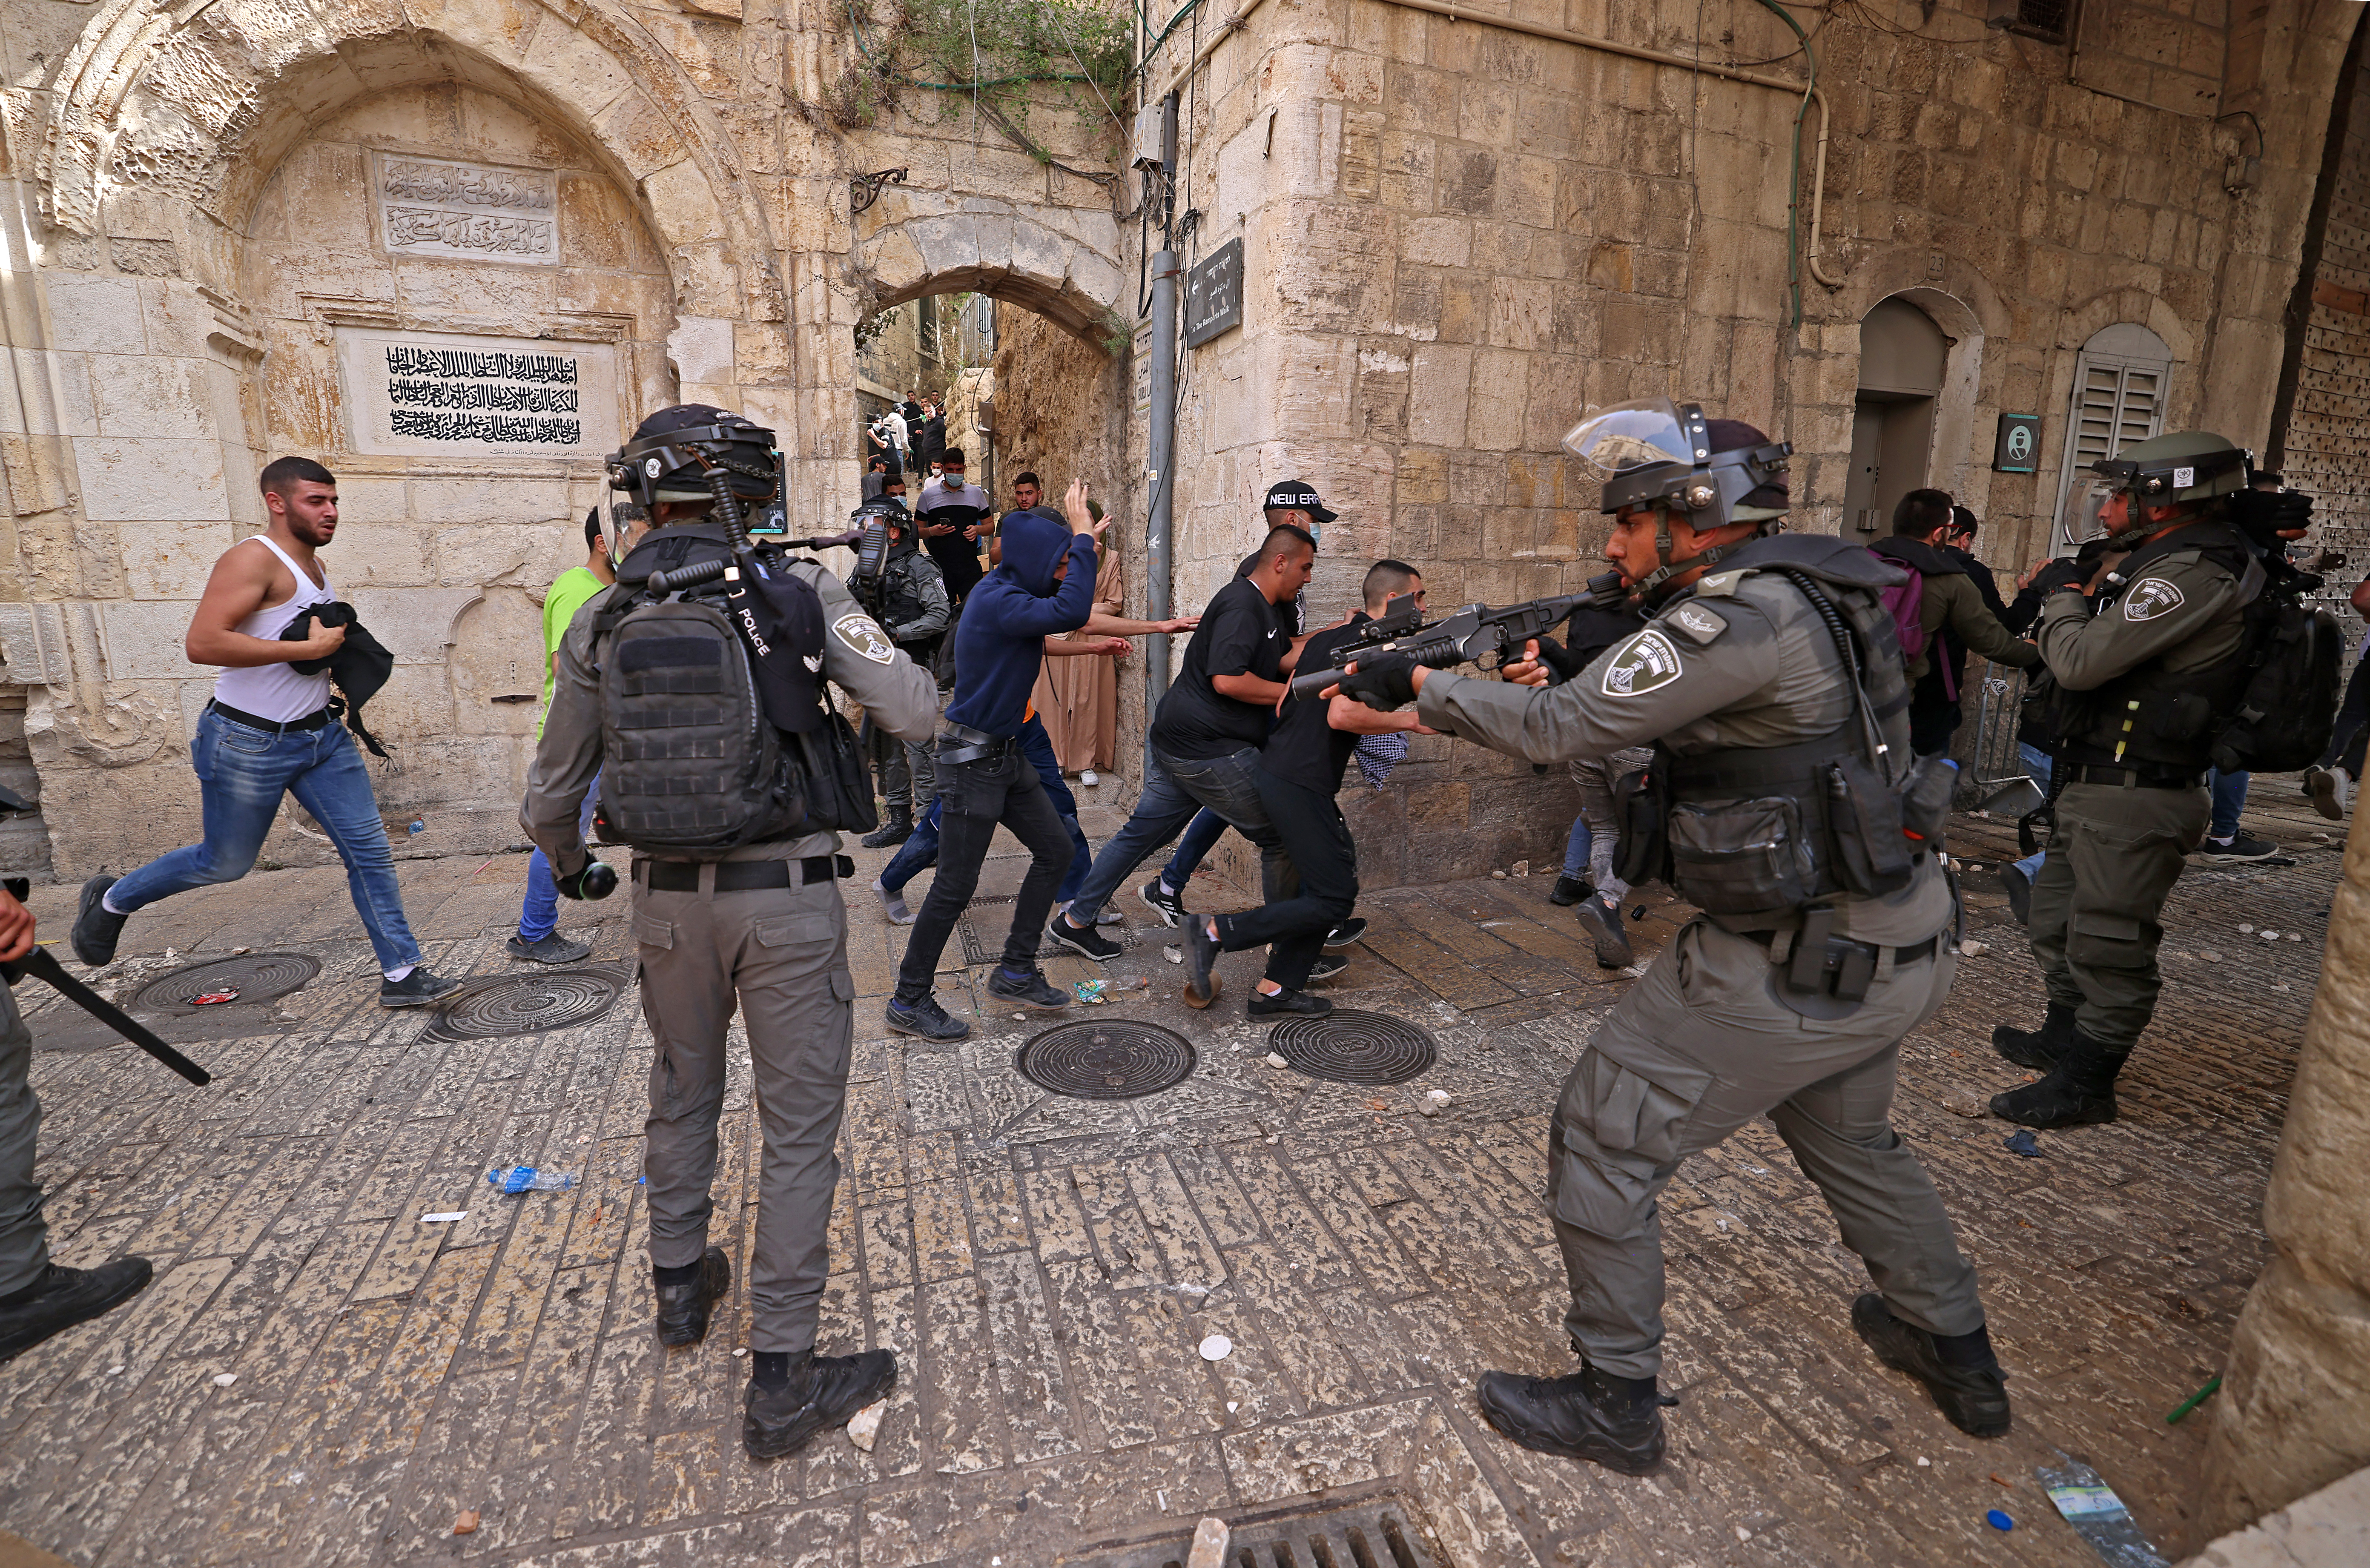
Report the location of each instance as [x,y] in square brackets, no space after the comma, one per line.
[1583,40]
[1162,456]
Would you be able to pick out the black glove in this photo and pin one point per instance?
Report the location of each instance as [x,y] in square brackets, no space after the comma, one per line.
[2060,574]
[1561,662]
[595,880]
[1384,681]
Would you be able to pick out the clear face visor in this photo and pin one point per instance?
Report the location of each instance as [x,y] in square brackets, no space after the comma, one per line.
[1631,435]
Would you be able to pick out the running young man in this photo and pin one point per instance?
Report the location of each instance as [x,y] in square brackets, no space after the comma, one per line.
[268,733]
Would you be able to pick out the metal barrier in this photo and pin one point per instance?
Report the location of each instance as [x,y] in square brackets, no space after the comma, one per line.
[1990,766]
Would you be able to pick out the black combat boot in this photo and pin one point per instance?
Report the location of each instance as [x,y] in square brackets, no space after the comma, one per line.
[682,1308]
[62,1297]
[780,1414]
[2079,1091]
[1960,1373]
[896,831]
[1615,1422]
[2037,1048]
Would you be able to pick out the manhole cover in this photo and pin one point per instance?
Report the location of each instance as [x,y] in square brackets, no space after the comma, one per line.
[1349,1046]
[529,1005]
[251,978]
[1106,1061]
[982,930]
[1380,1532]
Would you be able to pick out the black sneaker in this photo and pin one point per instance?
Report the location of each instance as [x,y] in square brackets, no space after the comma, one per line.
[1169,907]
[417,988]
[1083,940]
[823,1392]
[925,1020]
[1030,990]
[1201,951]
[553,948]
[1585,1416]
[1326,967]
[1283,1004]
[2239,847]
[62,1297]
[97,927]
[1346,933]
[2018,888]
[1975,1398]
[683,1309]
[1601,918]
[1570,890]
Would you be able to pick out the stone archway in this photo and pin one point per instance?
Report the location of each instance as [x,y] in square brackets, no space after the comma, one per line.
[1073,279]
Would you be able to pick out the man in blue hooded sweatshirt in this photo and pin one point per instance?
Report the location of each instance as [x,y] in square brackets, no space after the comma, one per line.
[1044,587]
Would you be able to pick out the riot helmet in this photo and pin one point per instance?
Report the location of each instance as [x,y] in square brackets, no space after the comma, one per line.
[673,453]
[872,522]
[1670,457]
[2178,469]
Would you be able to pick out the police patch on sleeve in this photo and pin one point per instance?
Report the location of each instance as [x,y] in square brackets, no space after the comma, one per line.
[1699,624]
[2149,597]
[1646,661]
[860,632]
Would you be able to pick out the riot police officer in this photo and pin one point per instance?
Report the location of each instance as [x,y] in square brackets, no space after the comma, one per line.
[760,919]
[1770,680]
[2147,662]
[908,597]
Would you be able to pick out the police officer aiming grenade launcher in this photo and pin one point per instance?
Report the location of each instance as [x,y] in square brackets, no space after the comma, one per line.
[1474,633]
[42,965]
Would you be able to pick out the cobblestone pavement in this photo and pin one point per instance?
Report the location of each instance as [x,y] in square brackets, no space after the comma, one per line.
[318,1376]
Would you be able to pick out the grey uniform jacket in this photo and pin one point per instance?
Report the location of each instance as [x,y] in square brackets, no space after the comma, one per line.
[857,656]
[2184,606]
[1743,662]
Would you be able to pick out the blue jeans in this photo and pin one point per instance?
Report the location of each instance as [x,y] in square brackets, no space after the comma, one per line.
[1200,837]
[1174,789]
[242,773]
[2036,762]
[540,913]
[921,851]
[1576,848]
[2229,799]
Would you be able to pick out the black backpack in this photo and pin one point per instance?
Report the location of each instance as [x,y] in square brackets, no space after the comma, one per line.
[2295,658]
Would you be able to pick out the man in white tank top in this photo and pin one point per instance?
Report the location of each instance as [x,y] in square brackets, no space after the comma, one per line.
[268,733]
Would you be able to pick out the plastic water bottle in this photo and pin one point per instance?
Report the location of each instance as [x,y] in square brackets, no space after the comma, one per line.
[417,826]
[527,1179]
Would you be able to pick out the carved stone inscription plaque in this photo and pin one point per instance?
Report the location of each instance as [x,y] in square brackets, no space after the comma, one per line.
[442,393]
[437,207]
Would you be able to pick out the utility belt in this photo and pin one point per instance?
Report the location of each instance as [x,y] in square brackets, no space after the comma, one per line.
[738,876]
[959,743]
[1814,964]
[313,720]
[2119,775]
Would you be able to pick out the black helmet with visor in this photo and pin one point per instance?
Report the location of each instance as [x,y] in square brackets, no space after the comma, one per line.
[1668,456]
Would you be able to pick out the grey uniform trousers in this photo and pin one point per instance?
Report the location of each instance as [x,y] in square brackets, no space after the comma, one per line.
[784,952]
[1699,1046]
[2114,856]
[24,1236]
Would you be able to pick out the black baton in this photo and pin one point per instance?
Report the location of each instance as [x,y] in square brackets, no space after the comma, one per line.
[43,965]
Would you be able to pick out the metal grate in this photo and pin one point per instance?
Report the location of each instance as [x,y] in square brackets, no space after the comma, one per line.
[1349,1047]
[252,978]
[1099,1060]
[1993,775]
[983,942]
[1378,1533]
[529,1005]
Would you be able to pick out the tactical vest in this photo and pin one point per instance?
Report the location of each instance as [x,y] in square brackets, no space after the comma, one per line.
[2152,717]
[901,597]
[1753,836]
[694,764]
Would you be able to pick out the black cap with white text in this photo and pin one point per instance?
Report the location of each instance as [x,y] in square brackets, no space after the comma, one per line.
[1299,497]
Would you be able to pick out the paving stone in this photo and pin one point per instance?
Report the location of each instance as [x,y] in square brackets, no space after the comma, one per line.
[1045,1269]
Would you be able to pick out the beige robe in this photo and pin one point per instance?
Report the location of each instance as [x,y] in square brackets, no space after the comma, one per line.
[1078,697]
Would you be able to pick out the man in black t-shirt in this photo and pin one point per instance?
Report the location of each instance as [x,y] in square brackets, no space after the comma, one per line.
[1205,741]
[1299,773]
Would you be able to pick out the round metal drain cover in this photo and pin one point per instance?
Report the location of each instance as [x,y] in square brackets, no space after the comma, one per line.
[251,978]
[1349,1046]
[529,1005]
[1106,1061]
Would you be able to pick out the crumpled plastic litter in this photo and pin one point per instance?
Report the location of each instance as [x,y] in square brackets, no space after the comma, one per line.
[2024,1143]
[2098,1516]
[1090,992]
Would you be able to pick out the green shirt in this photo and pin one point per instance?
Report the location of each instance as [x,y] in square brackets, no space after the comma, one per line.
[568,592]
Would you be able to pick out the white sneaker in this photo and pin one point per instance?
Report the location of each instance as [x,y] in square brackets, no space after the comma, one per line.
[2332,790]
[1090,778]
